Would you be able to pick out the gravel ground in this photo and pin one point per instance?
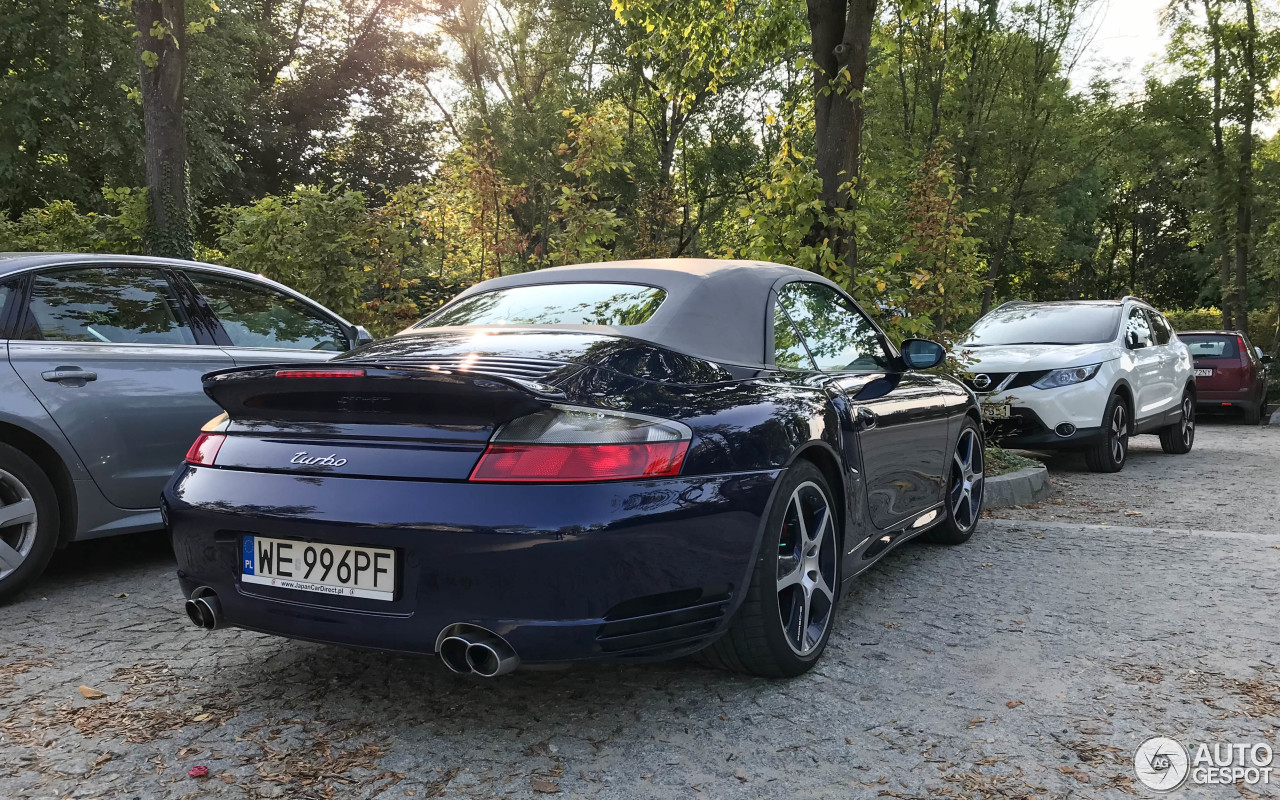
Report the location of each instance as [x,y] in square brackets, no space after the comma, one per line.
[1230,481]
[1028,663]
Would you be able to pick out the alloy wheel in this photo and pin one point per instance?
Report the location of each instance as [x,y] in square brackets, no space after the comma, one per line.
[1188,420]
[1119,430]
[967,480]
[806,568]
[18,523]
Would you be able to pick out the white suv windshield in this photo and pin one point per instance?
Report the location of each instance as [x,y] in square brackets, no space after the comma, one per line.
[1059,323]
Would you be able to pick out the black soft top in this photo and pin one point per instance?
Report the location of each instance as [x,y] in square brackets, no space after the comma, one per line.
[716,309]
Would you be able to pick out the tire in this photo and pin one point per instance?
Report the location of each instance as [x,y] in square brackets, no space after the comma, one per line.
[1108,454]
[28,521]
[758,641]
[965,486]
[1177,439]
[1253,414]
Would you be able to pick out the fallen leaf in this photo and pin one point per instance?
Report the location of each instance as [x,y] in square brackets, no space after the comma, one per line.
[988,564]
[198,772]
[122,595]
[1013,704]
[90,693]
[976,721]
[201,717]
[544,786]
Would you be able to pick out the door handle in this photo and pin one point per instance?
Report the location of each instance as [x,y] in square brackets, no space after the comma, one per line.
[69,374]
[865,418]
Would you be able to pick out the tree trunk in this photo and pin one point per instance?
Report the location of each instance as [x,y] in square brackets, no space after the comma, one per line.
[1244,191]
[162,66]
[1212,12]
[840,31]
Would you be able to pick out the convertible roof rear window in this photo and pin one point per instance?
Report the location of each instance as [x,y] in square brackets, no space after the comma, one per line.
[610,304]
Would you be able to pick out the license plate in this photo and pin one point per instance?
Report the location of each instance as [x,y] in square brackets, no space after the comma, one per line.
[996,410]
[332,569]
[1204,373]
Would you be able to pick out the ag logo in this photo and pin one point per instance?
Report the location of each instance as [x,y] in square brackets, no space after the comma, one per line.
[1161,764]
[981,381]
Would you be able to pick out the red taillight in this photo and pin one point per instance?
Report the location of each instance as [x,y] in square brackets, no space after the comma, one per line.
[583,462]
[319,373]
[204,450]
[1244,351]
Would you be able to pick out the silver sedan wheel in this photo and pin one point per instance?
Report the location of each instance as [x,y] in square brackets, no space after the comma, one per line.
[18,523]
[967,480]
[807,568]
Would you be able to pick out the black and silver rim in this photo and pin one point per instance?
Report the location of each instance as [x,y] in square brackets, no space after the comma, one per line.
[18,521]
[967,480]
[806,568]
[1188,421]
[1119,432]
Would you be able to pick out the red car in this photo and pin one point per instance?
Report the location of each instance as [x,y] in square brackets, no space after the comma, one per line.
[1230,372]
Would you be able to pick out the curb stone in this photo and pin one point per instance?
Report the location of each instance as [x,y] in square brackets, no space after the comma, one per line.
[1017,488]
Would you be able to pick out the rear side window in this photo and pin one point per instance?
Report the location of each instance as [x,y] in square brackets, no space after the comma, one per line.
[111,305]
[788,349]
[838,336]
[1160,328]
[612,304]
[1210,346]
[259,316]
[5,291]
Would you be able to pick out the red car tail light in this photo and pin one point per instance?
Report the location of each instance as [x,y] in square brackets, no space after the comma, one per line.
[566,444]
[204,450]
[588,462]
[320,373]
[1244,351]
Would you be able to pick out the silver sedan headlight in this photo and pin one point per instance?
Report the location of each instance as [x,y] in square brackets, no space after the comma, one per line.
[1067,377]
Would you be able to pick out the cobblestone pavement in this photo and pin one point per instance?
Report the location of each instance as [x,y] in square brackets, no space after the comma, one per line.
[1230,481]
[1028,663]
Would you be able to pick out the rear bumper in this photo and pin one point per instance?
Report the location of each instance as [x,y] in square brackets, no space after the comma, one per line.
[1235,397]
[604,571]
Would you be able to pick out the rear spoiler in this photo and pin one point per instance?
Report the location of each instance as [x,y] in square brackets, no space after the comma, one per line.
[358,392]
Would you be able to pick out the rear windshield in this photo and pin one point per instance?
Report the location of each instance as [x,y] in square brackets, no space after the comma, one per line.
[1210,346]
[553,304]
[1046,324]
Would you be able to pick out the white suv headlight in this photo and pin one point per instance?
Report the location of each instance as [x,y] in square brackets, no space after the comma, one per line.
[1067,377]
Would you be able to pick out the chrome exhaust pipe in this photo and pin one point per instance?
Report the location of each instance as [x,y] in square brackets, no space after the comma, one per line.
[453,652]
[203,609]
[470,649]
[491,656]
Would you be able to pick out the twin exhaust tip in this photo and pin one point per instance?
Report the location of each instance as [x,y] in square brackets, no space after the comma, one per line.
[203,609]
[472,650]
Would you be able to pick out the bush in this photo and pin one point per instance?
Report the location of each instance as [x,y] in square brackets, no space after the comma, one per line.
[59,227]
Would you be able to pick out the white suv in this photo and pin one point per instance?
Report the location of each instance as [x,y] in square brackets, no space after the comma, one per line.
[1082,375]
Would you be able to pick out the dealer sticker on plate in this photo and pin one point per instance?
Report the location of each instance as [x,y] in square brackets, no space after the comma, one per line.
[334,569]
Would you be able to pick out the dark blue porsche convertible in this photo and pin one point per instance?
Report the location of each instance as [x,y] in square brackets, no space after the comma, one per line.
[626,461]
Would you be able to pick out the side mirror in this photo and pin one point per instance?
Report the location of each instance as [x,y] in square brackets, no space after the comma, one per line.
[922,353]
[1267,359]
[362,335]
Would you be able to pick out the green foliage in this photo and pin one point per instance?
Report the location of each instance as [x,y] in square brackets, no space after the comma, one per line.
[1262,322]
[313,240]
[59,227]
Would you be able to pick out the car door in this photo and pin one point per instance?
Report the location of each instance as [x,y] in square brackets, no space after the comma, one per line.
[110,353]
[1169,349]
[1147,366]
[901,418]
[263,325]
